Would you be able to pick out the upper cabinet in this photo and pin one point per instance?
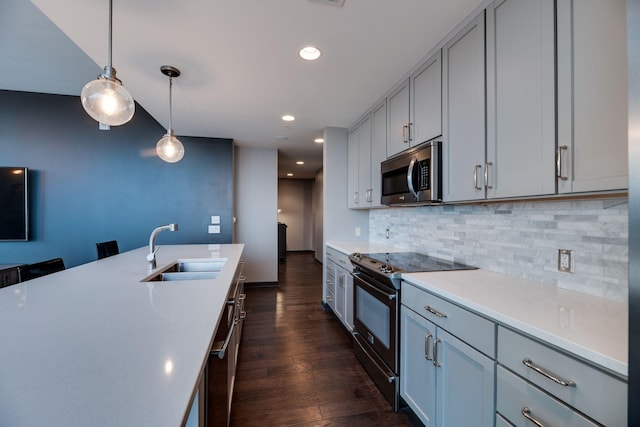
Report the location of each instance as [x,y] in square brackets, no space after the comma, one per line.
[463,112]
[378,150]
[425,121]
[415,107]
[592,96]
[520,99]
[352,165]
[530,101]
[367,148]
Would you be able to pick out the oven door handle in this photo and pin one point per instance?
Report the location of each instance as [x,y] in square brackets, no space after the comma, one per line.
[374,289]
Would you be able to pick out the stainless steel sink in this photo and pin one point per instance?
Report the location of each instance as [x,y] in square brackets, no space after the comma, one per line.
[191,269]
[185,275]
[199,265]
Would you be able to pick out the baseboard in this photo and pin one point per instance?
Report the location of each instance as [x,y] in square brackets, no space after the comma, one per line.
[261,284]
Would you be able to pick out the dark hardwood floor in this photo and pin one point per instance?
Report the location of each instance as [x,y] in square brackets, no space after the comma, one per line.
[296,364]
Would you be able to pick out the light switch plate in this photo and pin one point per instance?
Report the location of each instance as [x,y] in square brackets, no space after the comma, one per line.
[215,219]
[214,229]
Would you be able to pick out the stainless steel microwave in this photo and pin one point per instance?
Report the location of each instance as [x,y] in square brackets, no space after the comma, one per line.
[413,176]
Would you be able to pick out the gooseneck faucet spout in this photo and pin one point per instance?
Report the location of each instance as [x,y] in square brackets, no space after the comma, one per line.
[151,258]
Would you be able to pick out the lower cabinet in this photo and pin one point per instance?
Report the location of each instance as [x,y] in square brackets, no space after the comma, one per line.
[445,381]
[523,404]
[339,286]
[554,388]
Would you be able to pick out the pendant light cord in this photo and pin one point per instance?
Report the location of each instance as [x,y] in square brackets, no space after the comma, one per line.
[110,34]
[170,103]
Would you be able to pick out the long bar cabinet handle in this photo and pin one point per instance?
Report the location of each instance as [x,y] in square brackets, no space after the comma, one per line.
[486,175]
[435,353]
[475,177]
[405,131]
[526,412]
[435,312]
[427,347]
[548,374]
[559,163]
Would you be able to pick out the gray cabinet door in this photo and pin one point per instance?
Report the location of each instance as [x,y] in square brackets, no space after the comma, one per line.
[417,372]
[378,151]
[425,120]
[398,119]
[592,95]
[463,102]
[520,98]
[352,168]
[364,164]
[465,385]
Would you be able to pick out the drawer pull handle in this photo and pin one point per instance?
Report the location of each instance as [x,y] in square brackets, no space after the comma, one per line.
[526,412]
[434,311]
[553,377]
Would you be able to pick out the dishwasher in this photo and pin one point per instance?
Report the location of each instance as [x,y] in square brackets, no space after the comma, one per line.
[221,366]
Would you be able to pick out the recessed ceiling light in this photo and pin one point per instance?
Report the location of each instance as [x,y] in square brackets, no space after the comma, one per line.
[299,162]
[309,53]
[288,118]
[289,174]
[318,140]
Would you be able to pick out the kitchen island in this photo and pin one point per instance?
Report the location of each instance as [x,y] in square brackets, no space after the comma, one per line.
[94,345]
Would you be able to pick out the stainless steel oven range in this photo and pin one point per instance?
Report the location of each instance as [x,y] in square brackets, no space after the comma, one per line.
[376,288]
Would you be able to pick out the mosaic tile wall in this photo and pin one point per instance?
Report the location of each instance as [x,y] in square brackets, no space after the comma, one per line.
[521,239]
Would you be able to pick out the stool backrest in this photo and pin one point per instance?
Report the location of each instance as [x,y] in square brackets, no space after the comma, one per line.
[38,269]
[107,249]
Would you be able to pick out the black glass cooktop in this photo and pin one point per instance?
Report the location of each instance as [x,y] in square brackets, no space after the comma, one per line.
[411,262]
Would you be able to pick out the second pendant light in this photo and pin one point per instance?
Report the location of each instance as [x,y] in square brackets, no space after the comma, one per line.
[169,148]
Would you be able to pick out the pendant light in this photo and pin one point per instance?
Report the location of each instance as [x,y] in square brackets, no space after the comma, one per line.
[169,148]
[105,99]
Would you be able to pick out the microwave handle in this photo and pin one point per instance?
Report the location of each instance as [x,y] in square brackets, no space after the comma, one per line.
[410,176]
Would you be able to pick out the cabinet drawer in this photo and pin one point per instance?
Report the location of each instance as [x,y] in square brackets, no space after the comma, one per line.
[331,300]
[595,393]
[514,395]
[339,258]
[469,327]
[501,422]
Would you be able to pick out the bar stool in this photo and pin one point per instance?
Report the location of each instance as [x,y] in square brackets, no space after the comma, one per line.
[38,269]
[107,249]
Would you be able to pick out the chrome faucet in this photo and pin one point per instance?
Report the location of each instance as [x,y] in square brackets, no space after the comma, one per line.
[151,258]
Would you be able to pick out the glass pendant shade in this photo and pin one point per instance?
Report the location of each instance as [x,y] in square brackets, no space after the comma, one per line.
[107,101]
[169,148]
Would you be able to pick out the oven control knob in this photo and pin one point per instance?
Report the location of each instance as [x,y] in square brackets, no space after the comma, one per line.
[356,256]
[386,268]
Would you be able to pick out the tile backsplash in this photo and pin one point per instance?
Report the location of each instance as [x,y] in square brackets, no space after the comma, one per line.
[521,239]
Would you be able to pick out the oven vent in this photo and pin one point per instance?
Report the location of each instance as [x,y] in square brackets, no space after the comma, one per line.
[337,3]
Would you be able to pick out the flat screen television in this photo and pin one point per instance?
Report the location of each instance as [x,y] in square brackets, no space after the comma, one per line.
[14,209]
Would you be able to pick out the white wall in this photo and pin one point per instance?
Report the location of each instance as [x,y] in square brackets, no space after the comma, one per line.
[256,211]
[295,205]
[317,211]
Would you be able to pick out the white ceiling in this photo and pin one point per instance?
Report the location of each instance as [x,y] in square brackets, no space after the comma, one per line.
[240,70]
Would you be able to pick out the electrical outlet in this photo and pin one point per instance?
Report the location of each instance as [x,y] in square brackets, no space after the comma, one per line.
[565,260]
[358,231]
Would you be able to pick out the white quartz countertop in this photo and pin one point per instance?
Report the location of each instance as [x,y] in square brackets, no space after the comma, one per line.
[95,346]
[590,327]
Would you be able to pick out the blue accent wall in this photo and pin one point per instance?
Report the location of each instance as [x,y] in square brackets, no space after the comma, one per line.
[88,185]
